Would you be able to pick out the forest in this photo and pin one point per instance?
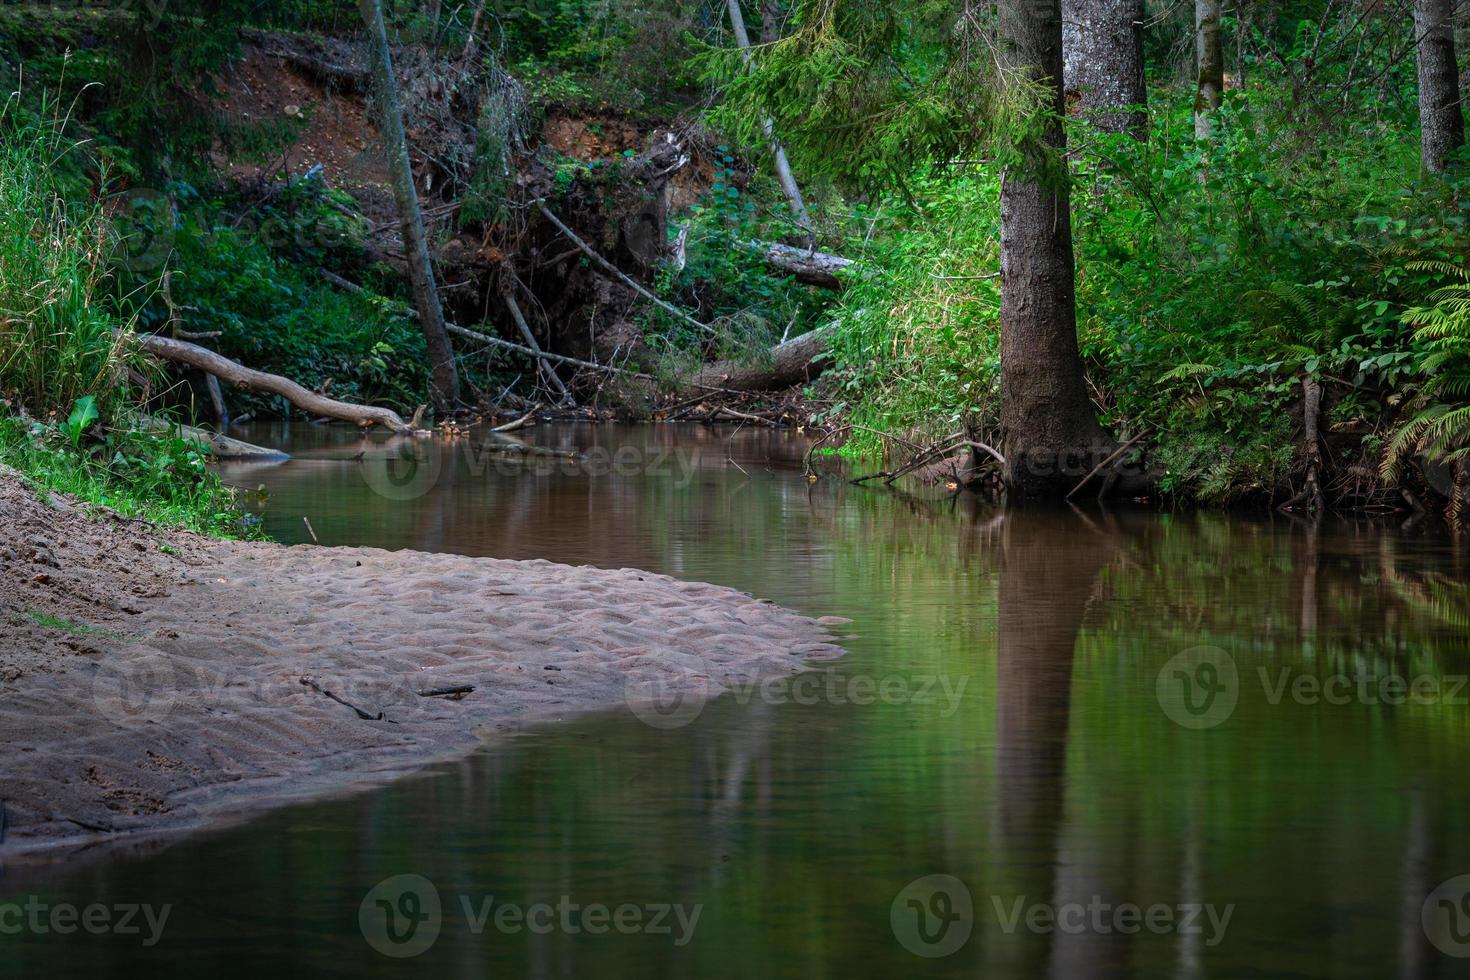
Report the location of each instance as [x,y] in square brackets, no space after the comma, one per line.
[772,488]
[1204,253]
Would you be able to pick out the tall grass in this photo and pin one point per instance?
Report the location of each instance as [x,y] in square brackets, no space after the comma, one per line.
[57,338]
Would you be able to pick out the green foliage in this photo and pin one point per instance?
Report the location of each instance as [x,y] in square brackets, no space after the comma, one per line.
[1210,278]
[862,92]
[1440,428]
[248,271]
[83,414]
[917,337]
[724,276]
[632,55]
[57,341]
[157,477]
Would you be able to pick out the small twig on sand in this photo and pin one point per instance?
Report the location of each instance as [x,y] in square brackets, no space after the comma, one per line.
[454,692]
[310,530]
[328,694]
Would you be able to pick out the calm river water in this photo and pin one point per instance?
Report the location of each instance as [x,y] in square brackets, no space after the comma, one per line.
[1062,744]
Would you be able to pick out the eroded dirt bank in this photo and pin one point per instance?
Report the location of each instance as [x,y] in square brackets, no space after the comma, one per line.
[152,680]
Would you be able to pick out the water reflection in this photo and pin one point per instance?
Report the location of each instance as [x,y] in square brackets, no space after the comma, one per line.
[1020,747]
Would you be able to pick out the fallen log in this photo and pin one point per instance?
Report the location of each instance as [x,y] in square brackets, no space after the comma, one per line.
[788,363]
[217,445]
[248,379]
[811,267]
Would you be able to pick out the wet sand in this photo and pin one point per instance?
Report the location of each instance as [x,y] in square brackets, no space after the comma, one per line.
[157,680]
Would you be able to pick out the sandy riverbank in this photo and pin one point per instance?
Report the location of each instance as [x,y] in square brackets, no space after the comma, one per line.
[153,680]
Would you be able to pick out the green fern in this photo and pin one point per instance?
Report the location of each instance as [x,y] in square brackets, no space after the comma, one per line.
[1439,429]
[1186,371]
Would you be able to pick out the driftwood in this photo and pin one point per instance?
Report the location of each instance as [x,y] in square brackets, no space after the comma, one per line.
[220,446]
[789,363]
[940,450]
[811,267]
[247,379]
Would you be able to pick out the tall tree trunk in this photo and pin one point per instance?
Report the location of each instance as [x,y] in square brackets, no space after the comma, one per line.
[1052,437]
[1102,41]
[778,152]
[1210,60]
[1441,121]
[444,379]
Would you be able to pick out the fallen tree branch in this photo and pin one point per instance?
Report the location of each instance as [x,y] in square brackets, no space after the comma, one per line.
[1116,455]
[308,682]
[530,338]
[486,338]
[808,266]
[622,276]
[790,363]
[942,449]
[217,445]
[248,379]
[519,423]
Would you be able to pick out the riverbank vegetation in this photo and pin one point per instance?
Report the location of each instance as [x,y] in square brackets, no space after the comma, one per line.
[1202,251]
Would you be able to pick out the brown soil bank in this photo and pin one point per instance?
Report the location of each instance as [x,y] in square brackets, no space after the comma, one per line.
[154,680]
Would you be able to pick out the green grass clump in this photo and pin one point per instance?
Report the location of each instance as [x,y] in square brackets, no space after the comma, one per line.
[58,342]
[157,477]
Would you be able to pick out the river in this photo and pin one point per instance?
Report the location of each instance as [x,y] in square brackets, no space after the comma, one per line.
[1068,744]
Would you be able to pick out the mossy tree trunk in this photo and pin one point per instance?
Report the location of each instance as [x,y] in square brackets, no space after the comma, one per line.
[444,376]
[1210,60]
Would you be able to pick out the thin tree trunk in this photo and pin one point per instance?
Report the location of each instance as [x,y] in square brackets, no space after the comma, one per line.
[472,39]
[1103,45]
[1211,62]
[778,152]
[444,381]
[1441,121]
[547,369]
[1052,437]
